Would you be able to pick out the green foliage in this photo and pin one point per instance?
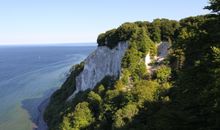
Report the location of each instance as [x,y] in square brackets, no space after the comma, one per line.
[154,31]
[126,31]
[169,29]
[194,99]
[100,89]
[81,118]
[142,33]
[112,37]
[94,98]
[141,71]
[124,115]
[214,5]
[54,111]
[66,124]
[137,100]
[163,30]
[125,76]
[162,74]
[145,91]
[95,101]
[101,39]
[119,85]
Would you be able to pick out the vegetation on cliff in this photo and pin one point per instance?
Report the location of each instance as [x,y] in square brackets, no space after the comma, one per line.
[158,30]
[54,111]
[183,93]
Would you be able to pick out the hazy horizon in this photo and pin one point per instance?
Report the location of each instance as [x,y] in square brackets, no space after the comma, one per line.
[51,44]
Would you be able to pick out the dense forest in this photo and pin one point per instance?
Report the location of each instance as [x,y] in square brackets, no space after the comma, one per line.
[182,94]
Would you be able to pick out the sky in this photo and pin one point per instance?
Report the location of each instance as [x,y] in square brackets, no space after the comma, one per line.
[81,21]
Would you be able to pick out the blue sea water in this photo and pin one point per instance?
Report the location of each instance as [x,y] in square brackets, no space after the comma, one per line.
[28,75]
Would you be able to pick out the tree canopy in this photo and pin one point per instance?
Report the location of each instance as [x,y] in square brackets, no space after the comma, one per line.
[214,6]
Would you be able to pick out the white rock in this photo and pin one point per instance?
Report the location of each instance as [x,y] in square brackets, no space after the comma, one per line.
[102,62]
[147,60]
[162,50]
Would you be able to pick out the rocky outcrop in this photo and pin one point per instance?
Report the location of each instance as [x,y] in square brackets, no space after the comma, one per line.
[102,62]
[162,53]
[162,50]
[147,61]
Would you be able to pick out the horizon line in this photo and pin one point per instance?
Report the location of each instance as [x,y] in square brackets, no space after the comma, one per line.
[50,43]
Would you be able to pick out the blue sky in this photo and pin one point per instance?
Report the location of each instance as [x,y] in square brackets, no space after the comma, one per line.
[80,21]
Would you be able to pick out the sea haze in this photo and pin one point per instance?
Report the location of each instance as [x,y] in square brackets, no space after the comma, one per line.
[29,74]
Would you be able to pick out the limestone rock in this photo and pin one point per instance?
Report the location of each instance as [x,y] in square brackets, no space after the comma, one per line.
[102,62]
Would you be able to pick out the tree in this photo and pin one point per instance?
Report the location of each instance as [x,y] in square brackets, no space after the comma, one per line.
[95,102]
[82,116]
[168,29]
[66,125]
[214,6]
[101,39]
[141,71]
[100,89]
[145,90]
[123,116]
[163,74]
[155,32]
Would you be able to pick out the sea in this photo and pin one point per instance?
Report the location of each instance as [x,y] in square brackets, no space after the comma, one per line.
[29,75]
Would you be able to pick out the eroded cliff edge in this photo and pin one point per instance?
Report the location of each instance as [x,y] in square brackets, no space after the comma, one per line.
[101,63]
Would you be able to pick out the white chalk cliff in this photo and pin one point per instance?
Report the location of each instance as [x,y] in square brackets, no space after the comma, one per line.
[107,62]
[147,60]
[162,50]
[102,62]
[162,53]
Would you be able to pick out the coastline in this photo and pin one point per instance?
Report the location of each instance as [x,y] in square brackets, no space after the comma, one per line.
[41,124]
[28,82]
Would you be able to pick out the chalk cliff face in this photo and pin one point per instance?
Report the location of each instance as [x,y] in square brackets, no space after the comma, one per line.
[147,60]
[162,50]
[102,62]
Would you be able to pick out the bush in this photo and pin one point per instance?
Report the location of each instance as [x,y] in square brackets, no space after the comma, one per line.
[163,74]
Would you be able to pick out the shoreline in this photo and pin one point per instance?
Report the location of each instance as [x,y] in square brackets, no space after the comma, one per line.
[41,124]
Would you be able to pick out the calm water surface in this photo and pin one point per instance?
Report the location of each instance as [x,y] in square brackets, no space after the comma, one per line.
[28,74]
